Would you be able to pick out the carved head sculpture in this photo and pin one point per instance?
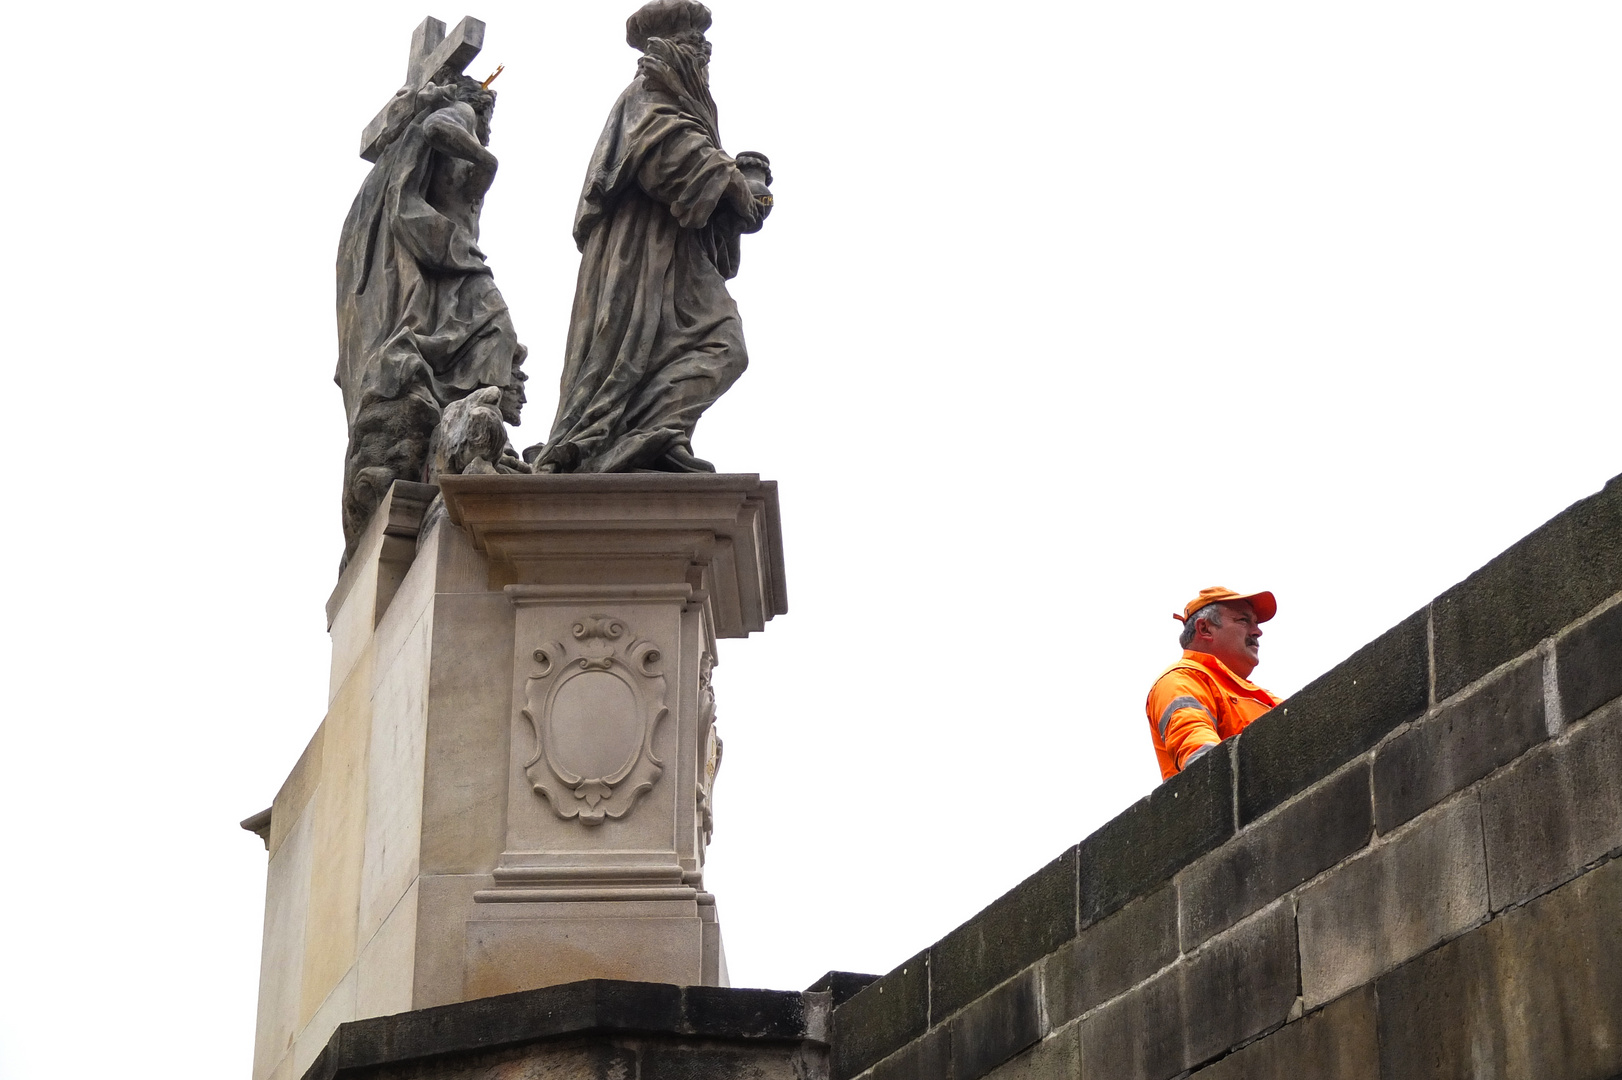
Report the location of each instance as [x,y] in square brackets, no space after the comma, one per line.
[674,20]
[482,100]
[447,89]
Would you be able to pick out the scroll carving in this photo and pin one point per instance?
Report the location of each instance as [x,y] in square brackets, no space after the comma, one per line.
[595,705]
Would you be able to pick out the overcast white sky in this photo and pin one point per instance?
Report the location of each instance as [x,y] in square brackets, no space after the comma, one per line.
[1065,311]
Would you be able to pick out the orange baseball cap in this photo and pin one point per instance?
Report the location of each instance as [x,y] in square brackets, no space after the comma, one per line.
[1261,602]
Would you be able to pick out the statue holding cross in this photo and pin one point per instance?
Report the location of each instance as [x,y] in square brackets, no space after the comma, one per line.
[427,349]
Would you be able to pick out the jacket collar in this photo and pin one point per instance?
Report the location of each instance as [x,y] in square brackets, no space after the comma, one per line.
[1219,669]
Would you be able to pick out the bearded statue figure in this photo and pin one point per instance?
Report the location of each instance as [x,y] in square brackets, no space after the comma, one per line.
[654,337]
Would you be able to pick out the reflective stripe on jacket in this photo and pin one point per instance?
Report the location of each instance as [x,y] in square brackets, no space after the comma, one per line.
[1196,703]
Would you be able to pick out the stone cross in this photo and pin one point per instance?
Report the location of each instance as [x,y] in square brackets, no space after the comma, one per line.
[431,50]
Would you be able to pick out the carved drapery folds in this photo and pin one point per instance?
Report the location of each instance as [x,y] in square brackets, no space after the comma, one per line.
[710,741]
[595,705]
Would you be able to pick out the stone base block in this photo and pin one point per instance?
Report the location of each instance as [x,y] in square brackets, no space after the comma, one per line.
[534,945]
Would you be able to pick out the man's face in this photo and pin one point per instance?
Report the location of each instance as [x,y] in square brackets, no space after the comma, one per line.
[1237,642]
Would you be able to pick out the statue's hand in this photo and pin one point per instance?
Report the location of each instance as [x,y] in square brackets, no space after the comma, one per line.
[741,198]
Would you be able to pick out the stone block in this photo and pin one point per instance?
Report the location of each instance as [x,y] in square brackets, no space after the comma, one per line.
[1157,836]
[1238,985]
[469,725]
[1265,861]
[602,1011]
[584,1059]
[1589,664]
[881,1019]
[1536,992]
[394,777]
[1138,1036]
[758,1014]
[1111,956]
[1555,810]
[1382,908]
[339,806]
[996,1027]
[1014,931]
[1334,718]
[842,985]
[1464,741]
[338,1008]
[281,959]
[1552,577]
[1338,1042]
[387,962]
[507,953]
[677,1061]
[296,792]
[1057,1057]
[440,967]
[928,1058]
[351,624]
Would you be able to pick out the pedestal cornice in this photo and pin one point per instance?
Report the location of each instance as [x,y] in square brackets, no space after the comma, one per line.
[721,534]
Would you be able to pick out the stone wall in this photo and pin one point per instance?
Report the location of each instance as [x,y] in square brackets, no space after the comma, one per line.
[1407,870]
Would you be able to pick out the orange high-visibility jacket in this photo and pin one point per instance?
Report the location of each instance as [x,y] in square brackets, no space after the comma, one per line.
[1195,704]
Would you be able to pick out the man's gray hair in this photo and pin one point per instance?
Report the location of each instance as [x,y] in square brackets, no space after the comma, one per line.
[1211,613]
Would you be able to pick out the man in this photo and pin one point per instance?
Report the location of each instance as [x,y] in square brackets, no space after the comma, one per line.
[1206,696]
[654,337]
[421,323]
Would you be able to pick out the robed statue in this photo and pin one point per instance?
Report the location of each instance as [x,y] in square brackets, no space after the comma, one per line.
[424,334]
[654,337]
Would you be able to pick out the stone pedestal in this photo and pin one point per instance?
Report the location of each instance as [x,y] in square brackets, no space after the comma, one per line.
[511,788]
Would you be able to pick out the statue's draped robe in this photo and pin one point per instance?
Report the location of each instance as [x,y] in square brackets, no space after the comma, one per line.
[420,321]
[418,309]
[654,338]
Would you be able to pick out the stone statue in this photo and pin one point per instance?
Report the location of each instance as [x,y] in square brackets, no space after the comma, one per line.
[421,324]
[654,338]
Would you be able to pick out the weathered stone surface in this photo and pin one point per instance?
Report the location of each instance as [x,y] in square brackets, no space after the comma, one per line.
[1138,1036]
[1381,908]
[1553,576]
[1057,1057]
[701,1015]
[654,338]
[1239,985]
[1555,810]
[1463,742]
[749,1014]
[665,1060]
[879,1020]
[1265,861]
[1111,956]
[1157,836]
[996,1027]
[1334,718]
[842,985]
[575,1059]
[928,1058]
[1536,992]
[1589,665]
[1338,1042]
[1014,931]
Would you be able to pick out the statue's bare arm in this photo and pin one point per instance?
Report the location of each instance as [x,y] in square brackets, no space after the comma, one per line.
[451,131]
